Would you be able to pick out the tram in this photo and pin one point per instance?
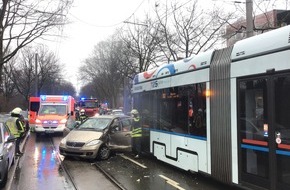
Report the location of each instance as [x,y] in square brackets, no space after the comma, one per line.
[224,113]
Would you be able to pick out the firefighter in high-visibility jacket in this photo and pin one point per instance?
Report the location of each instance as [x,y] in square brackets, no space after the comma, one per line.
[83,115]
[136,133]
[16,127]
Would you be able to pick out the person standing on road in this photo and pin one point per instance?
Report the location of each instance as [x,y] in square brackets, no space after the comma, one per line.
[15,126]
[191,116]
[136,133]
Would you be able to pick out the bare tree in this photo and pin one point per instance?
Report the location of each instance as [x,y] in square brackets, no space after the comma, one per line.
[49,73]
[188,29]
[23,21]
[141,44]
[101,71]
[267,15]
[8,88]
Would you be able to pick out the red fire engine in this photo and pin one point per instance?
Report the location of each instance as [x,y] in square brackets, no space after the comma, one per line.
[90,105]
[33,110]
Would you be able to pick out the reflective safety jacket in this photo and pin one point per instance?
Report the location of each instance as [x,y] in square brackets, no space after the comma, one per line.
[15,126]
[83,118]
[137,130]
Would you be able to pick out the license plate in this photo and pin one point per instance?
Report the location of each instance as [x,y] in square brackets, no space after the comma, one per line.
[49,131]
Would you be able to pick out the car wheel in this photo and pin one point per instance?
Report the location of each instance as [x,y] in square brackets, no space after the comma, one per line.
[4,179]
[104,152]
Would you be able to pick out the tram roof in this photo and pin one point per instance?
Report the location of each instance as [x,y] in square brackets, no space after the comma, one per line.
[269,42]
[274,40]
[202,60]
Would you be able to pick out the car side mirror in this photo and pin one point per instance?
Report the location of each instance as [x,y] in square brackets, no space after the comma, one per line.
[115,128]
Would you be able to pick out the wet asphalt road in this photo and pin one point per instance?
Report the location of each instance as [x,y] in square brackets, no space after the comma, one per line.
[41,167]
[148,173]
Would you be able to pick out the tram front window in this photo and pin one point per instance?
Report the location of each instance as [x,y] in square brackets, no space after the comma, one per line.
[253,130]
[282,127]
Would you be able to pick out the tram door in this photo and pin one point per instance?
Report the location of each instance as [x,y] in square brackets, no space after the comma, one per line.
[264,131]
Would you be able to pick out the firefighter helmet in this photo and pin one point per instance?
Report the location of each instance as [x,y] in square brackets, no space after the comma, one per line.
[134,112]
[16,111]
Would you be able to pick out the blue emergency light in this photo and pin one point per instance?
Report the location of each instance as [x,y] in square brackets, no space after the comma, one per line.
[65,98]
[43,97]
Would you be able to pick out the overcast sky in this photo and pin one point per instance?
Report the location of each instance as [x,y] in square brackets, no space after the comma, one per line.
[92,22]
[95,20]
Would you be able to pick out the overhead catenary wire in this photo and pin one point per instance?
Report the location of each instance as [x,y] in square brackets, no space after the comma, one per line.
[111,25]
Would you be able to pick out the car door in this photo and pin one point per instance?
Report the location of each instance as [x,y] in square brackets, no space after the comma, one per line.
[120,134]
[9,145]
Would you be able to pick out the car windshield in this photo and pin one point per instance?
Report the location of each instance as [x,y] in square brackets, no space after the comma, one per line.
[95,124]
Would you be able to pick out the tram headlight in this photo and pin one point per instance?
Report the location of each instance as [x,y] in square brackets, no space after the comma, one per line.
[207,93]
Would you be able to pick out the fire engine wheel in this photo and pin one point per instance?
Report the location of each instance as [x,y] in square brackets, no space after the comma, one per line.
[104,153]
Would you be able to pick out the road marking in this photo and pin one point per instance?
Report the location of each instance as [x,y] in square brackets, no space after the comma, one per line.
[135,162]
[171,182]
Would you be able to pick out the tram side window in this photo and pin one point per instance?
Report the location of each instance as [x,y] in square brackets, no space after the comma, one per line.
[182,110]
[146,110]
[197,109]
[143,102]
[169,109]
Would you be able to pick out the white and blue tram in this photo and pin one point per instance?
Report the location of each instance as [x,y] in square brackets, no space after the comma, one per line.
[225,113]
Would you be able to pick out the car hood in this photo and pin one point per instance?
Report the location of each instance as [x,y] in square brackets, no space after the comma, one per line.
[83,136]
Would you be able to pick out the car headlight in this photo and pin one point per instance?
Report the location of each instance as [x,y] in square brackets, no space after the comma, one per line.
[37,121]
[63,121]
[63,141]
[93,143]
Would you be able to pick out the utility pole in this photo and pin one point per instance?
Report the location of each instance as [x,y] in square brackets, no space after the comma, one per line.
[36,77]
[249,18]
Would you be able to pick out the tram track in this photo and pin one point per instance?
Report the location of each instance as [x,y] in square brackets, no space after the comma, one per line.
[70,177]
[63,167]
[109,176]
